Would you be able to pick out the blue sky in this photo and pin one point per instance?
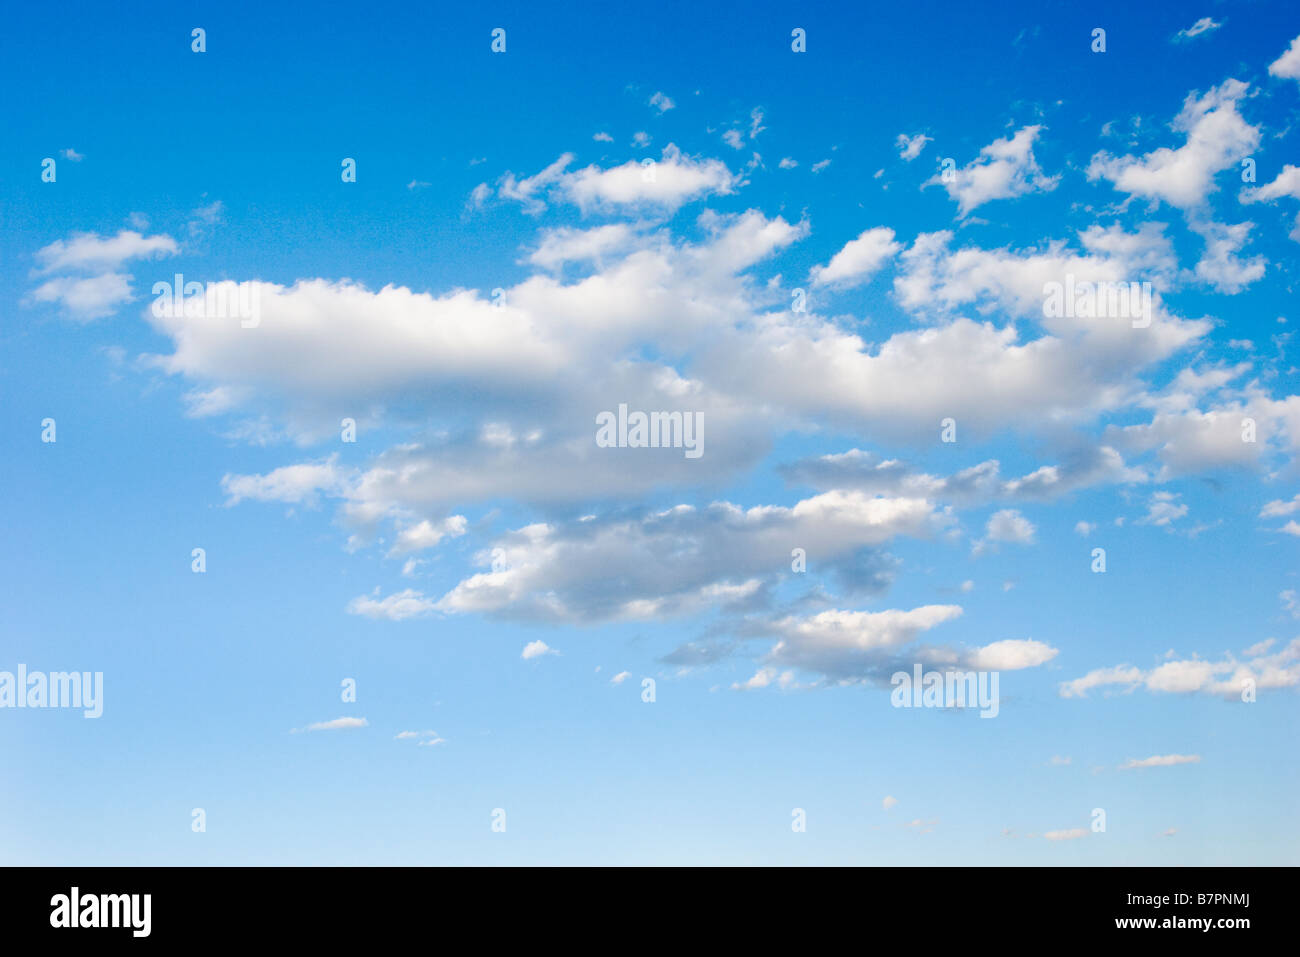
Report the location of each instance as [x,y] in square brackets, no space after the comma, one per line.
[475,516]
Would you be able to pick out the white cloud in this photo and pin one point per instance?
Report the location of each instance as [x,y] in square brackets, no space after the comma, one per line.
[92,252]
[1163,509]
[291,484]
[662,102]
[530,190]
[1220,266]
[1286,184]
[399,606]
[1012,655]
[889,802]
[674,179]
[337,724]
[977,485]
[425,534]
[1125,675]
[422,739]
[497,399]
[909,147]
[92,297]
[478,196]
[1226,678]
[1160,761]
[1004,169]
[1290,602]
[1201,26]
[1260,648]
[1217,139]
[1280,507]
[1189,440]
[724,556]
[569,245]
[1072,834]
[859,260]
[1288,64]
[536,649]
[619,678]
[851,646]
[1009,525]
[764,677]
[89,298]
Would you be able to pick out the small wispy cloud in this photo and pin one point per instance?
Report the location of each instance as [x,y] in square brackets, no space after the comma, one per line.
[909,147]
[1160,761]
[662,102]
[337,724]
[1199,28]
[423,739]
[1071,834]
[536,649]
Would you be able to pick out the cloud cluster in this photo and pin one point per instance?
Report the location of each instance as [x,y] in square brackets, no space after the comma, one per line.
[1227,678]
[101,288]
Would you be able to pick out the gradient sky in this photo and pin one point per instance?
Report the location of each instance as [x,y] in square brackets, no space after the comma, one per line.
[474,516]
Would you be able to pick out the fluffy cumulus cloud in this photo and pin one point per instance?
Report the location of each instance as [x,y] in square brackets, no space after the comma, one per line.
[1012,654]
[1217,138]
[1221,264]
[663,184]
[1288,64]
[1006,526]
[840,646]
[1229,678]
[1004,169]
[93,252]
[90,297]
[537,649]
[1285,185]
[98,288]
[851,645]
[859,260]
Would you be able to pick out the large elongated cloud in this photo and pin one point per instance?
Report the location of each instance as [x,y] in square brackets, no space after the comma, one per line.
[680,560]
[1217,138]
